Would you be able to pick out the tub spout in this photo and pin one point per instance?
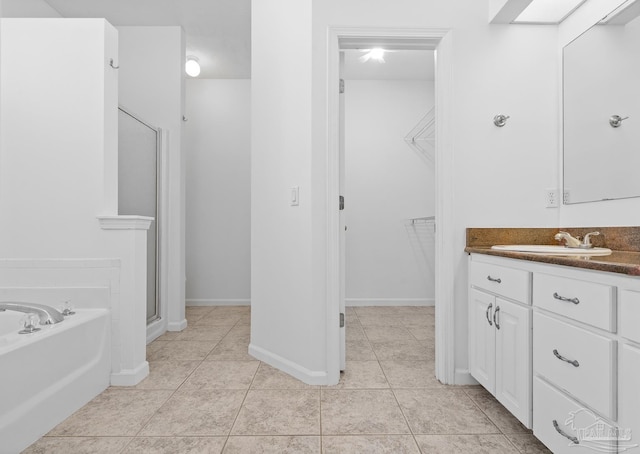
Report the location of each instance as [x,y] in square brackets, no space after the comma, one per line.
[47,314]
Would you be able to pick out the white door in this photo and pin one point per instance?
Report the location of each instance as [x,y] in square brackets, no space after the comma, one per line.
[342,227]
[482,338]
[513,366]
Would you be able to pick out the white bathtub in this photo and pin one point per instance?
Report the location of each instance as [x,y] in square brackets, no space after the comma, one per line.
[47,375]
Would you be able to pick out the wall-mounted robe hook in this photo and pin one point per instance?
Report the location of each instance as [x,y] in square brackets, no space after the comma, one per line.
[112,65]
[184,118]
[616,121]
[500,120]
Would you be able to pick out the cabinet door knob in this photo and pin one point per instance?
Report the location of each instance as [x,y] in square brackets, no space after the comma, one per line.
[495,317]
[487,314]
[574,362]
[564,298]
[494,279]
[559,430]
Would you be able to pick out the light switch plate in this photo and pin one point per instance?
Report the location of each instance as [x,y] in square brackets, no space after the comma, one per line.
[295,196]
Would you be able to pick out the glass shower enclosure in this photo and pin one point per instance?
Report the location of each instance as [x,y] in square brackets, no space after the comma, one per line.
[138,189]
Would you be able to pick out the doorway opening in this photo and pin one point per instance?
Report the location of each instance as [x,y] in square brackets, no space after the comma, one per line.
[389,194]
[439,42]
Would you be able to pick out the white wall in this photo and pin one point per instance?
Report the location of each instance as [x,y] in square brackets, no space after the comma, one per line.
[609,213]
[152,87]
[388,260]
[218,222]
[283,277]
[499,174]
[64,124]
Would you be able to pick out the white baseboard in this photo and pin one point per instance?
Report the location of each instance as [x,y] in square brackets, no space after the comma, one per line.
[177,326]
[155,329]
[390,302]
[130,377]
[463,377]
[309,377]
[219,302]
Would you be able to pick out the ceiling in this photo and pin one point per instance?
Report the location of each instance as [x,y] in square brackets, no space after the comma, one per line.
[398,64]
[218,33]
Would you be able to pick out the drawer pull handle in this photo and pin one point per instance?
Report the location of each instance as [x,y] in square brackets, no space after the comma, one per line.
[559,430]
[487,314]
[564,298]
[574,362]
[493,279]
[495,317]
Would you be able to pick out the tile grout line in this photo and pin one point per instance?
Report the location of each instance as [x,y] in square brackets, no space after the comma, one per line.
[406,420]
[137,435]
[169,398]
[506,436]
[477,405]
[235,419]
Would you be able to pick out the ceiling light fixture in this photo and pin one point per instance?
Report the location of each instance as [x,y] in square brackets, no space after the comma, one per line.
[375,54]
[547,11]
[192,66]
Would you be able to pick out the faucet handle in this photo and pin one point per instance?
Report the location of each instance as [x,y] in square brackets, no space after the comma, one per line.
[569,241]
[66,309]
[586,242]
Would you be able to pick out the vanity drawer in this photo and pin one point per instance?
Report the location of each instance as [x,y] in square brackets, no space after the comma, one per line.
[509,282]
[576,360]
[629,303]
[586,302]
[551,408]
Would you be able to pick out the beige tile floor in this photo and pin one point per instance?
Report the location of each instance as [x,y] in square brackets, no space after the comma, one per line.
[205,394]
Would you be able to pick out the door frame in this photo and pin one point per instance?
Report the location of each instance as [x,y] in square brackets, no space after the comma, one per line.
[441,40]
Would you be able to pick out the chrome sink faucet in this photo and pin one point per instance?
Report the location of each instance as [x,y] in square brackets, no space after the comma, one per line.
[572,242]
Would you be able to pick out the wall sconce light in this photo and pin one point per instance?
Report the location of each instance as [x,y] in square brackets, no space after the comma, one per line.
[192,66]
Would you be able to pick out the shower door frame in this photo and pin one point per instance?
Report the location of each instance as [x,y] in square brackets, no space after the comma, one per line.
[157,324]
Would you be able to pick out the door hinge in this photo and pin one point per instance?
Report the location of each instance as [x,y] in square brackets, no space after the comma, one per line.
[341,86]
[341,204]
[341,319]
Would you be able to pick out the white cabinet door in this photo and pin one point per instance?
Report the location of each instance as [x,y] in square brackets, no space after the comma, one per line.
[629,399]
[513,359]
[482,341]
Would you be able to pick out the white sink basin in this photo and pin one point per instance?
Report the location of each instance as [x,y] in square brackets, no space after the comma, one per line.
[552,250]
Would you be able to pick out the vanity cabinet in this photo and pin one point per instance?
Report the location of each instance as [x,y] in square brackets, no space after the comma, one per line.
[629,369]
[500,335]
[584,375]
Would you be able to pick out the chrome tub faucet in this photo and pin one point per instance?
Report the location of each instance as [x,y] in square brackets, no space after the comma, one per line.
[46,314]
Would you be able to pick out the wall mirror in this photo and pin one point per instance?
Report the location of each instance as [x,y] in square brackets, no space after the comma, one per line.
[601,109]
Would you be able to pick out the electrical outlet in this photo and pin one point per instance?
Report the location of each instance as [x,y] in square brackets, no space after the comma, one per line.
[551,197]
[566,196]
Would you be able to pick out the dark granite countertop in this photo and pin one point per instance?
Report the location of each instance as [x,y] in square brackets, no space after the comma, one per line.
[622,261]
